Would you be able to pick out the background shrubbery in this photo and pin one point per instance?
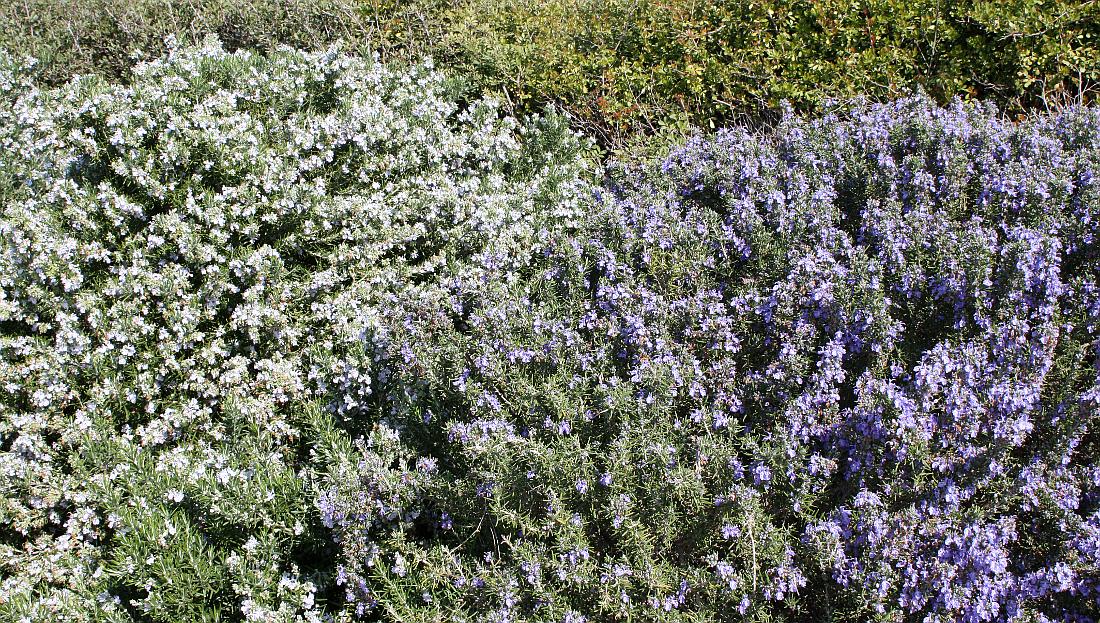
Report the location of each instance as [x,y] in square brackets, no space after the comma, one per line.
[623,66]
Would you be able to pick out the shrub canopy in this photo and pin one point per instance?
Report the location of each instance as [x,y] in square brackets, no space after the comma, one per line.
[300,337]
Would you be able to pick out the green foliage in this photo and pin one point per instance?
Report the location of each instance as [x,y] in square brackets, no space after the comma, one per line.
[624,65]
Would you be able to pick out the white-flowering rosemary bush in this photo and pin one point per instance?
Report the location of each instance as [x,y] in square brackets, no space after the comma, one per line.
[194,271]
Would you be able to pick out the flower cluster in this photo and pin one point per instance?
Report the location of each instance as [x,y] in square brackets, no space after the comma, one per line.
[195,272]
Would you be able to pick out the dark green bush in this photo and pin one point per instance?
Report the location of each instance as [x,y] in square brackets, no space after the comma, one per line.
[99,36]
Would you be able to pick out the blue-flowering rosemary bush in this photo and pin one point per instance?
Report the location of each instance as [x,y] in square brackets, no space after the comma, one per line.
[188,267]
[843,370]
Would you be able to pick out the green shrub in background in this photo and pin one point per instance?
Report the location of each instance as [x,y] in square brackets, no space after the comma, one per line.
[626,65]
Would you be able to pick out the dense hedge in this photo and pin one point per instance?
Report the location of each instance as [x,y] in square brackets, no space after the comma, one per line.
[624,66]
[301,338]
